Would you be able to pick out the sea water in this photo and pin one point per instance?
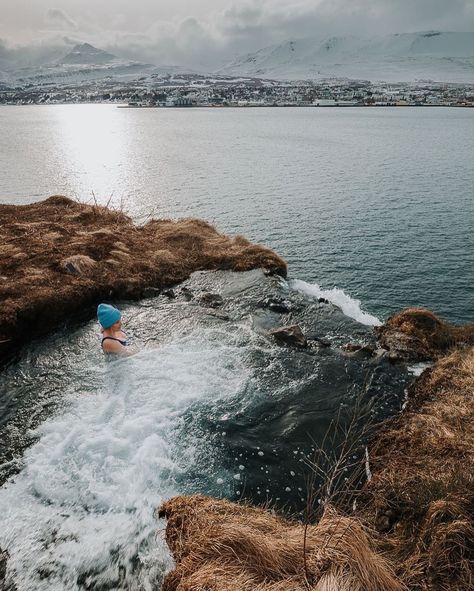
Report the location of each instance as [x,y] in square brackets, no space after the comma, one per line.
[376,202]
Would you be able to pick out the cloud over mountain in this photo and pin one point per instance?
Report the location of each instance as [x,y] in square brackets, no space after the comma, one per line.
[208,33]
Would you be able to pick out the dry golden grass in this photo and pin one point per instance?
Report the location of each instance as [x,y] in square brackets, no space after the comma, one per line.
[224,546]
[422,491]
[81,262]
[419,334]
[112,258]
[420,499]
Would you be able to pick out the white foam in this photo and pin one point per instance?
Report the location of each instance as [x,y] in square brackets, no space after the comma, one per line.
[85,501]
[418,368]
[349,306]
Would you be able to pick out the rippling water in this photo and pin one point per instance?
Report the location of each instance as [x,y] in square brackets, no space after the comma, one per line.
[378,202]
[92,448]
[369,205]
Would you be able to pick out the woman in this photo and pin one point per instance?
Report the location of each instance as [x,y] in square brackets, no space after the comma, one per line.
[113,340]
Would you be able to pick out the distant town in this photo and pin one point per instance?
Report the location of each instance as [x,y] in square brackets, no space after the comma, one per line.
[189,90]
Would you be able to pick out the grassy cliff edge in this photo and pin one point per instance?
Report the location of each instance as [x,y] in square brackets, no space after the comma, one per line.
[59,258]
[413,526]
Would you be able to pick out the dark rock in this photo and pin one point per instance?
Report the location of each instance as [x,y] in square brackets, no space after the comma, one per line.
[385,521]
[323,301]
[219,315]
[188,294]
[290,335]
[273,271]
[169,293]
[211,300]
[4,586]
[151,292]
[359,348]
[3,565]
[71,268]
[279,306]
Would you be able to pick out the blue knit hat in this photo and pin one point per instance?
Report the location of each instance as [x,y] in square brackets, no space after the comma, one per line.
[108,315]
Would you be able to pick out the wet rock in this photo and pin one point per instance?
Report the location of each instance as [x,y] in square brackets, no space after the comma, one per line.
[323,301]
[151,292]
[280,306]
[211,300]
[319,342]
[273,271]
[359,348]
[169,293]
[290,335]
[3,565]
[219,315]
[187,293]
[380,353]
[4,586]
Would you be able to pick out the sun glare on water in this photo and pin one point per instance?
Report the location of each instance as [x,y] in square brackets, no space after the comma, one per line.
[93,142]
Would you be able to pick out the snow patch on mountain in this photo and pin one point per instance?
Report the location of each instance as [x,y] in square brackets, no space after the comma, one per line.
[85,53]
[84,63]
[406,57]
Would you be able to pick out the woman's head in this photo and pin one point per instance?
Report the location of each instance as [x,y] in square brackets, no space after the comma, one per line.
[108,316]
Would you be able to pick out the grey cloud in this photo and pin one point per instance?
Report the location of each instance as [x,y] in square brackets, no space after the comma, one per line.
[342,17]
[219,34]
[58,17]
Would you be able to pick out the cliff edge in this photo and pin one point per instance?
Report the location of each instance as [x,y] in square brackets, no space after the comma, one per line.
[59,258]
[412,526]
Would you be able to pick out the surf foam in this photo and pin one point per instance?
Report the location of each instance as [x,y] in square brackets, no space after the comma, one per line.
[81,513]
[349,306]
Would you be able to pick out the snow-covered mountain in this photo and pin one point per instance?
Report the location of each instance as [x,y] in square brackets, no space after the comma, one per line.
[84,63]
[433,55]
[87,54]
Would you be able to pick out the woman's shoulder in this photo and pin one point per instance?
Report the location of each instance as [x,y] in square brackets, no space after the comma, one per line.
[112,345]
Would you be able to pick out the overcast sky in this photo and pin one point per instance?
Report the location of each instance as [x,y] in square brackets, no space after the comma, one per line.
[205,33]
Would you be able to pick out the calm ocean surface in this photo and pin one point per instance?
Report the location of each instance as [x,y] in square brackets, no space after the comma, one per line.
[377,202]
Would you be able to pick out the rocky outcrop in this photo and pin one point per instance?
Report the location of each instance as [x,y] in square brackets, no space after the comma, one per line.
[59,258]
[224,546]
[290,335]
[416,334]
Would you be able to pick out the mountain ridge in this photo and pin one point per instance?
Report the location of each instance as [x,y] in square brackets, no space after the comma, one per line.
[399,57]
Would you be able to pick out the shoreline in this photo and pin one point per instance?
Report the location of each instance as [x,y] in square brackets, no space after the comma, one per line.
[59,258]
[411,527]
[124,106]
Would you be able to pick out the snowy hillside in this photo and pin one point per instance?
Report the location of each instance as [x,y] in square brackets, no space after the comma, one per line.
[84,63]
[87,54]
[444,57]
